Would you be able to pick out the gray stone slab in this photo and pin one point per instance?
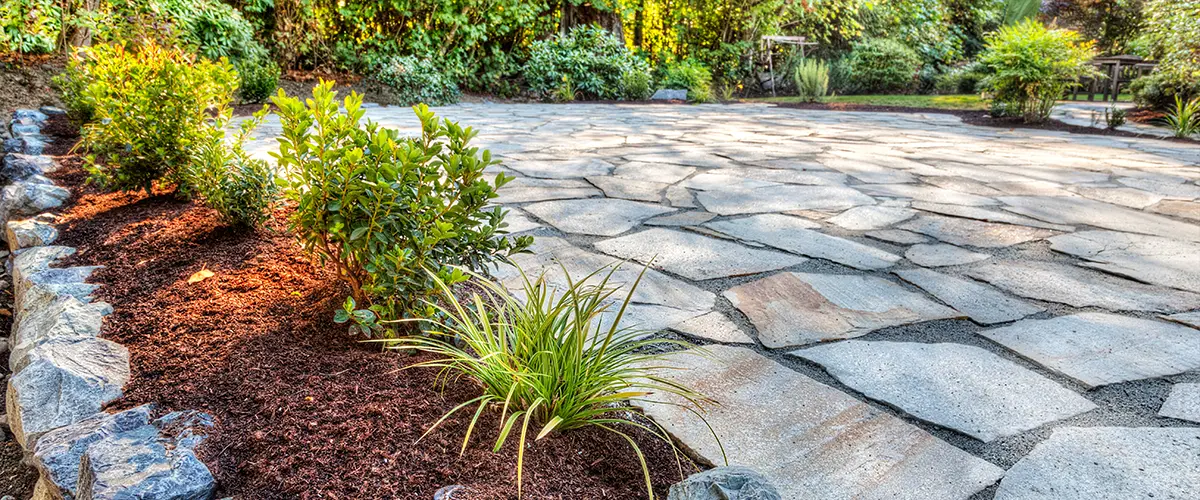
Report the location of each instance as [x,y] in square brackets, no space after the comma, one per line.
[1191,319]
[1183,403]
[982,303]
[694,256]
[1078,287]
[871,217]
[518,222]
[716,327]
[600,217]
[781,199]
[960,387]
[938,255]
[1149,259]
[791,309]
[972,232]
[629,189]
[655,172]
[691,218]
[795,235]
[923,192]
[1108,463]
[1063,210]
[1098,349]
[1124,196]
[1185,209]
[1174,190]
[525,189]
[562,169]
[987,215]
[670,95]
[897,236]
[811,440]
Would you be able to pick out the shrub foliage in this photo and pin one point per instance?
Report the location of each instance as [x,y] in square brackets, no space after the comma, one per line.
[691,75]
[812,80]
[385,209]
[241,189]
[1032,66]
[417,81]
[592,59]
[882,65]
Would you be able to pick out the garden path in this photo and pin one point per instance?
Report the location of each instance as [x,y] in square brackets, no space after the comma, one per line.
[897,305]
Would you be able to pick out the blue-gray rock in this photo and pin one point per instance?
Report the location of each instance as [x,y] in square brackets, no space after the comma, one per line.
[18,167]
[30,197]
[14,145]
[30,116]
[724,483]
[33,144]
[29,233]
[58,453]
[65,317]
[52,111]
[670,95]
[21,130]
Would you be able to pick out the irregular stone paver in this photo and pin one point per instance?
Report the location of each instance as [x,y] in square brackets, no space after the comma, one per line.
[518,222]
[694,256]
[691,218]
[1108,463]
[523,189]
[1079,287]
[1183,403]
[1185,209]
[982,303]
[811,440]
[1124,196]
[600,217]
[897,236]
[1098,349]
[1173,190]
[802,308]
[1061,210]
[639,190]
[987,215]
[794,235]
[923,192]
[716,327]
[655,172]
[942,255]
[561,169]
[1191,319]
[973,233]
[781,198]
[1149,259]
[871,217]
[961,387]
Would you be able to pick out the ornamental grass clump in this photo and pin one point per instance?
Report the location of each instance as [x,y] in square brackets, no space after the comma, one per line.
[1184,119]
[812,80]
[384,208]
[554,362]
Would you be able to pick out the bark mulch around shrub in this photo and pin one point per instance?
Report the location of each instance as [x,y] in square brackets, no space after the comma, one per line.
[303,410]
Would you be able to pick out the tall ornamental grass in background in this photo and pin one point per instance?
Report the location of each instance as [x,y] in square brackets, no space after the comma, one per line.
[812,80]
[549,363]
[1032,66]
[384,208]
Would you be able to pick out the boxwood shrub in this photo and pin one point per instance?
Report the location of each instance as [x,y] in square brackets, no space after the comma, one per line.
[882,65]
[417,81]
[595,62]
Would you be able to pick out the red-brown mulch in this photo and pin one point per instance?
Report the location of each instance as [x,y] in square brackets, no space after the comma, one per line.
[303,410]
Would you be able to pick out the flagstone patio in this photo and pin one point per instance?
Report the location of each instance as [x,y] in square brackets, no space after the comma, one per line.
[1042,345]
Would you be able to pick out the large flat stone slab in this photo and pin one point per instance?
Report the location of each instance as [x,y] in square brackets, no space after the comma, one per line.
[1149,259]
[630,189]
[986,215]
[716,327]
[1183,403]
[600,217]
[982,303]
[922,192]
[525,189]
[942,255]
[1068,210]
[1074,286]
[1108,463]
[973,233]
[795,235]
[694,256]
[1191,319]
[960,387]
[871,217]
[562,169]
[781,198]
[1098,349]
[811,440]
[791,309]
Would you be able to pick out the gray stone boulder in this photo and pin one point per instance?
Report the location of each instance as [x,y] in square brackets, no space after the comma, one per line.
[52,110]
[127,455]
[22,130]
[29,233]
[65,317]
[30,197]
[18,166]
[63,381]
[724,483]
[31,268]
[670,95]
[30,116]
[13,145]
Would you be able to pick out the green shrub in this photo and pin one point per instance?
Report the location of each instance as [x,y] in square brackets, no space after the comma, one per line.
[1184,119]
[961,80]
[840,79]
[882,65]
[226,179]
[29,26]
[812,80]
[1158,90]
[257,79]
[1032,66]
[386,209]
[593,59]
[1114,117]
[565,92]
[151,105]
[690,75]
[548,361]
[417,81]
[635,85]
[1172,33]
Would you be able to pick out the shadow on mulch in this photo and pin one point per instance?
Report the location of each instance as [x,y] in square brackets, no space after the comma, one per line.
[303,410]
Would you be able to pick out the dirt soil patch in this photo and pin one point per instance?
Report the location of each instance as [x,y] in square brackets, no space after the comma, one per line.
[25,82]
[303,410]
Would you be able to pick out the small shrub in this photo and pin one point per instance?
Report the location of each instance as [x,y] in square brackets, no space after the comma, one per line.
[635,85]
[882,65]
[1114,117]
[840,79]
[226,179]
[1032,66]
[29,26]
[1184,118]
[690,75]
[417,81]
[727,91]
[151,105]
[812,80]
[547,361]
[1158,90]
[963,80]
[565,92]
[257,79]
[385,209]
[593,59]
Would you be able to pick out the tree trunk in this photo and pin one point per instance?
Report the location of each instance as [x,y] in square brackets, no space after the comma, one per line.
[579,15]
[73,35]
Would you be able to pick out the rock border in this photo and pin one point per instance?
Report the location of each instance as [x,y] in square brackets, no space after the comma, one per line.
[63,372]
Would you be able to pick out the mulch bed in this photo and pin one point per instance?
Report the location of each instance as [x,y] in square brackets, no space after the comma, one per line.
[980,118]
[303,410]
